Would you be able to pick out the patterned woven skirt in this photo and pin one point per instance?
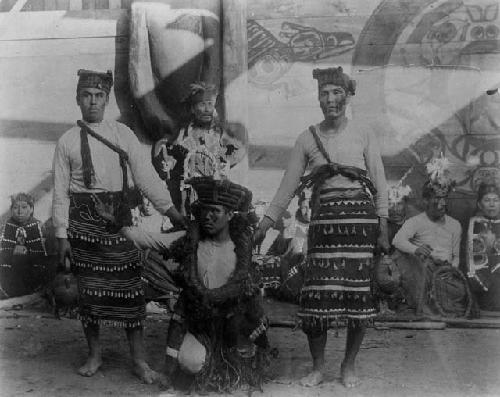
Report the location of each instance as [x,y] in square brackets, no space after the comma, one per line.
[107,266]
[338,270]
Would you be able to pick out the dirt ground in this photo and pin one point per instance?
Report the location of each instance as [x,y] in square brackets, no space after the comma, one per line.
[39,356]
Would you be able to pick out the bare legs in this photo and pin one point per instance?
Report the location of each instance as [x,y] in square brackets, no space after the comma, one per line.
[94,360]
[140,368]
[355,334]
[137,351]
[317,344]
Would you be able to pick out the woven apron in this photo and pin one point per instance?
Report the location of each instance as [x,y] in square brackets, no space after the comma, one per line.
[107,266]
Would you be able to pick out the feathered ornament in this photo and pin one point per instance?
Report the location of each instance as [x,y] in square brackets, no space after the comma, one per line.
[399,192]
[439,174]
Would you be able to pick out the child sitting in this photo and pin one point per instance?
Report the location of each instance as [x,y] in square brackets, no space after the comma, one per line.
[22,246]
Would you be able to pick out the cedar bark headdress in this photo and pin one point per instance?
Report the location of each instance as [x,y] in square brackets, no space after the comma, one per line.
[221,192]
[335,76]
[92,79]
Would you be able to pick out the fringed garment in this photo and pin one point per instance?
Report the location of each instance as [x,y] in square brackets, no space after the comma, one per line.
[107,266]
[28,269]
[338,270]
[268,269]
[483,260]
[220,317]
[29,235]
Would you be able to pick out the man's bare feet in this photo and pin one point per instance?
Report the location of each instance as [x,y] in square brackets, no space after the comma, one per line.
[90,367]
[144,372]
[312,379]
[348,375]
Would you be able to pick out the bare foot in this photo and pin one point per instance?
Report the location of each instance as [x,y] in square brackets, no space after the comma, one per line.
[90,367]
[144,372]
[348,376]
[312,379]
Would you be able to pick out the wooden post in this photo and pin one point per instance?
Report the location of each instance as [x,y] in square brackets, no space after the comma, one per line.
[234,69]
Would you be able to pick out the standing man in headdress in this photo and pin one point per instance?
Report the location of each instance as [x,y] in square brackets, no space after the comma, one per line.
[349,216]
[92,164]
[226,145]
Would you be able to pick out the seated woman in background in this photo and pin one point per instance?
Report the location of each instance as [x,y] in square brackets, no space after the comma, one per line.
[23,255]
[483,248]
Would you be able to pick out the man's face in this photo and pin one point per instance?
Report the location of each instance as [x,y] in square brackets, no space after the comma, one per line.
[435,207]
[333,100]
[305,210]
[92,102]
[203,111]
[490,205]
[214,219]
[21,211]
[147,207]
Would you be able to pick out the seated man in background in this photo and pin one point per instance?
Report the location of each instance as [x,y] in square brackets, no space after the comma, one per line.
[217,334]
[426,241]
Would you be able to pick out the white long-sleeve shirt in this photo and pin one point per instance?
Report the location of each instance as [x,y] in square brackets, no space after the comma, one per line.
[354,146]
[68,170]
[443,237]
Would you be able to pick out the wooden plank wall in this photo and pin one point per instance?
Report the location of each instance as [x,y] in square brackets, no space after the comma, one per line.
[422,69]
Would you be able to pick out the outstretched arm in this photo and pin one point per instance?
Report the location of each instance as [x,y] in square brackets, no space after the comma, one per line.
[289,183]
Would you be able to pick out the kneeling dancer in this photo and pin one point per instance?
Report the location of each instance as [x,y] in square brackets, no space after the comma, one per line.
[218,330]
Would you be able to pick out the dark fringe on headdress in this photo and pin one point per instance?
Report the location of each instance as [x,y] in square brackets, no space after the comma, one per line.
[335,76]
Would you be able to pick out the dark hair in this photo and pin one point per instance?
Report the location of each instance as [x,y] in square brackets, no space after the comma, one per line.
[279,224]
[430,190]
[427,191]
[239,223]
[22,197]
[486,188]
[300,217]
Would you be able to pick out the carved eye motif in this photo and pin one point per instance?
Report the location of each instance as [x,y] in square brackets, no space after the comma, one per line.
[477,32]
[443,33]
[491,32]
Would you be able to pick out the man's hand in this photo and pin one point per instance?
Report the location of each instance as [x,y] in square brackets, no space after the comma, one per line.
[260,232]
[424,250]
[175,217]
[20,250]
[64,251]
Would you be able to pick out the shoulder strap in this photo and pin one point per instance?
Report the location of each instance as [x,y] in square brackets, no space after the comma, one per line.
[319,144]
[103,140]
[121,153]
